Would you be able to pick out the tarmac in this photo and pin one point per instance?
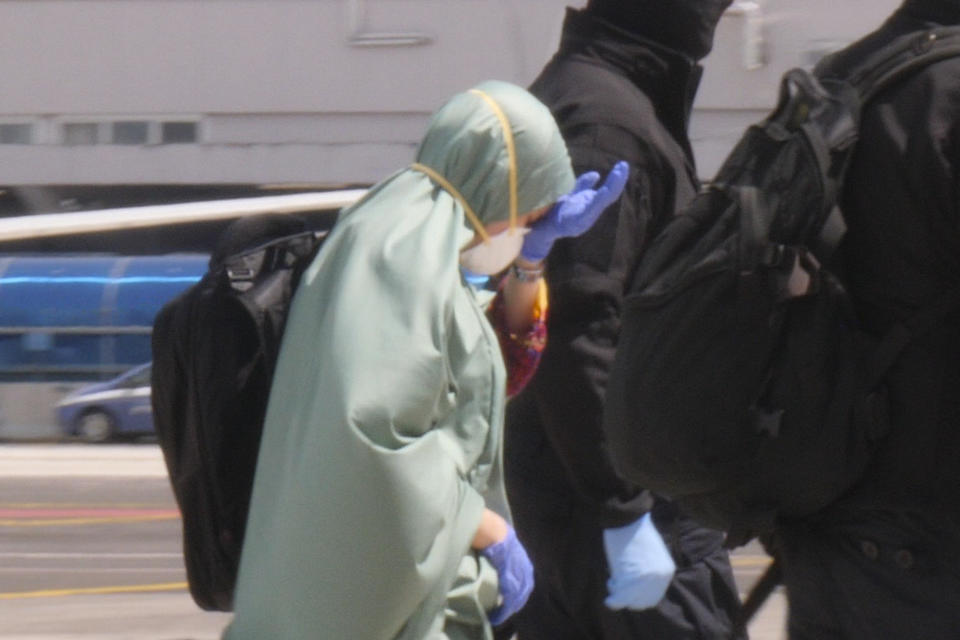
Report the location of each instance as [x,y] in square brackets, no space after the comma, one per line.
[80,460]
[76,460]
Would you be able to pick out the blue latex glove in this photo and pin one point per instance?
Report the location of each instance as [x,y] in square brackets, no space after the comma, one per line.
[641,566]
[574,212]
[514,572]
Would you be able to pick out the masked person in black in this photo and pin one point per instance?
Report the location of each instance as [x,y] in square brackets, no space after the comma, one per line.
[621,86]
[884,562]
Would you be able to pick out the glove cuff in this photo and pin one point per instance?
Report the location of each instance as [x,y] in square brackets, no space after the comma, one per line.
[497,552]
[535,251]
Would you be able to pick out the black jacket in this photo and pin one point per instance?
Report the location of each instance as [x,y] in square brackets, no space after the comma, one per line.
[615,97]
[902,251]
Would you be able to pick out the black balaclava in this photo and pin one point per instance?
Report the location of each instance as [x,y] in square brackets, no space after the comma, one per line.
[942,11]
[685,26]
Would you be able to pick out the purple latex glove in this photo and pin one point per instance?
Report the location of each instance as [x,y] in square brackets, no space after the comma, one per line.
[514,572]
[640,563]
[574,212]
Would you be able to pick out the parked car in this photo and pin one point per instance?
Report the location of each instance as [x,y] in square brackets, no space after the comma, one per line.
[109,410]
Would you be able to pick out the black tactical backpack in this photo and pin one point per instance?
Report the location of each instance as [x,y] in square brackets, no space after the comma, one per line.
[214,352]
[742,387]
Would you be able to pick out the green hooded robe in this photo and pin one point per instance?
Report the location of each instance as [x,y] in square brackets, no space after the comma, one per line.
[382,438]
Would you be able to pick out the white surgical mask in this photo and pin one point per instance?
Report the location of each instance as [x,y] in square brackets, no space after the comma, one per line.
[495,254]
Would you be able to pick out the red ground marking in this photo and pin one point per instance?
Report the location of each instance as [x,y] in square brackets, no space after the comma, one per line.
[85,513]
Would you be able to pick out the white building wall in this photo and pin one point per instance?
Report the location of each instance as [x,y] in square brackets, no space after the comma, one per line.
[325,91]
[742,74]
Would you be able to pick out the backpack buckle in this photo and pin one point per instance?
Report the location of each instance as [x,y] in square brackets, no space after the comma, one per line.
[245,267]
[242,273]
[773,255]
[766,422]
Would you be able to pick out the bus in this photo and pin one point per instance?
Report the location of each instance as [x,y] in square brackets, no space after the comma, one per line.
[69,320]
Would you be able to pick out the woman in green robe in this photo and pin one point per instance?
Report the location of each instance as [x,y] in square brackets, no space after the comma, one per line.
[378,475]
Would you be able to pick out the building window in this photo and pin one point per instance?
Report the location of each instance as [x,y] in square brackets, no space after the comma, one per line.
[130,132]
[16,133]
[80,133]
[178,132]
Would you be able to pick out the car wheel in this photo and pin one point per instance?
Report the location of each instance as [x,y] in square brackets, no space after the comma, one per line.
[95,426]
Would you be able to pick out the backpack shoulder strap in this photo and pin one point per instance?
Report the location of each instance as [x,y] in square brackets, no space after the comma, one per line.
[251,264]
[262,280]
[878,69]
[903,333]
[870,69]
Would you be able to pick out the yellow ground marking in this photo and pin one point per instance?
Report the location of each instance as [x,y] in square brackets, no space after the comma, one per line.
[57,593]
[86,505]
[745,562]
[67,522]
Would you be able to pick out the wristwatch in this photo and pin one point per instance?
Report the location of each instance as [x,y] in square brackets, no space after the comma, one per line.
[526,275]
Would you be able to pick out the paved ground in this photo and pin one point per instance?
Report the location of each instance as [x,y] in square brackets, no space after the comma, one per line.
[81,460]
[90,549]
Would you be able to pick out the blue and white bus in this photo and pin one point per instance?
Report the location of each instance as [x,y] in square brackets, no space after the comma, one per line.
[69,320]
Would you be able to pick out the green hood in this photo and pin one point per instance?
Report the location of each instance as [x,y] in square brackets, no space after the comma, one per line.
[467,144]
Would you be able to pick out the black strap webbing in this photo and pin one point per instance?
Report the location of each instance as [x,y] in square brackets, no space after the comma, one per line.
[903,333]
[769,581]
